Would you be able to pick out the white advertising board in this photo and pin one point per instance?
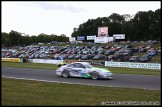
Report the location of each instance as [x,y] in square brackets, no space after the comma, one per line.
[133,65]
[72,39]
[110,39]
[103,39]
[48,61]
[91,37]
[119,36]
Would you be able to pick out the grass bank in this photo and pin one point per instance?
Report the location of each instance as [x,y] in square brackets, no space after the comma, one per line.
[35,93]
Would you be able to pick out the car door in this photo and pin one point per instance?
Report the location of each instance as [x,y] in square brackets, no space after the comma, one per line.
[76,70]
[70,69]
[81,69]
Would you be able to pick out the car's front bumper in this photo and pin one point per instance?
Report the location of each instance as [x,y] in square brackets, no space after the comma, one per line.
[106,76]
[58,72]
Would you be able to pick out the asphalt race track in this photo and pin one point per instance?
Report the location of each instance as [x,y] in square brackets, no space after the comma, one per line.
[120,80]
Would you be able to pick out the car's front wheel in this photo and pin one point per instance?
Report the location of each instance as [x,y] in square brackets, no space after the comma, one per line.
[65,74]
[94,75]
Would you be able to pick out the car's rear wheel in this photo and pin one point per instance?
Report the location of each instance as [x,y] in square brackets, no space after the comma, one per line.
[65,74]
[94,75]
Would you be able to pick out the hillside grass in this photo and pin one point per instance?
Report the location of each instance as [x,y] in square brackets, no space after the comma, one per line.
[36,93]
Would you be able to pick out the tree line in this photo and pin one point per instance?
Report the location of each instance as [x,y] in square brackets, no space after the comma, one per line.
[15,38]
[144,25]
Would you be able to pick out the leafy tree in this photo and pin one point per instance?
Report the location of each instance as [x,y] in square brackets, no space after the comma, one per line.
[14,37]
[144,25]
[6,41]
[34,39]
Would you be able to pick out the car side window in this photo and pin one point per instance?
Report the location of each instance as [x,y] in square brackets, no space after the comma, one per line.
[79,66]
[71,65]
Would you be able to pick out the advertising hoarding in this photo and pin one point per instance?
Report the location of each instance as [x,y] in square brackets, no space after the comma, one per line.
[119,36]
[103,39]
[133,65]
[72,39]
[91,37]
[102,31]
[80,38]
[11,59]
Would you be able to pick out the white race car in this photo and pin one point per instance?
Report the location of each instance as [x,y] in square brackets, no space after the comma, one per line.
[83,69]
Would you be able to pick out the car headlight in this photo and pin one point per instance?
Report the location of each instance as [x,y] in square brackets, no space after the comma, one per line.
[107,73]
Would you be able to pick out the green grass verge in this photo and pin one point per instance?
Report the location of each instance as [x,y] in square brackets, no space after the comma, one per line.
[35,93]
[137,71]
[30,65]
[112,69]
